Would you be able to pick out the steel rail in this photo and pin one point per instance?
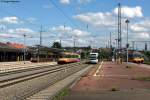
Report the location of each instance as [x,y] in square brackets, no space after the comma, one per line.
[27,76]
[53,75]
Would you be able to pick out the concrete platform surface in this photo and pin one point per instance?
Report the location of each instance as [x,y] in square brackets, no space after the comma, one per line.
[112,82]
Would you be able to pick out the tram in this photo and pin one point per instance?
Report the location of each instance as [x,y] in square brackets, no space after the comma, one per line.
[69,57]
[136,58]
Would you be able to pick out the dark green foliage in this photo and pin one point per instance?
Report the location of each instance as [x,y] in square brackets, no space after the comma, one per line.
[142,78]
[147,54]
[105,54]
[61,94]
[56,45]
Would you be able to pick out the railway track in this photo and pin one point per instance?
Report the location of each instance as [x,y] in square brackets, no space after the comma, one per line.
[24,83]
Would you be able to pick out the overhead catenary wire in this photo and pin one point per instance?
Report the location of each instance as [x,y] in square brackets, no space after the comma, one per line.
[63,13]
[39,25]
[20,18]
[4,11]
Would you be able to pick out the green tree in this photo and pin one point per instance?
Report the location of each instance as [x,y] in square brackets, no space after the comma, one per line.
[105,54]
[147,54]
[56,45]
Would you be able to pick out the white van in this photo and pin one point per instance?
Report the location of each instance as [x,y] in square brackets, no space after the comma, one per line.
[94,58]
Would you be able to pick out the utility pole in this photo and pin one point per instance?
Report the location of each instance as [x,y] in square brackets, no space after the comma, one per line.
[74,44]
[133,43]
[116,49]
[24,51]
[60,37]
[119,25]
[39,46]
[110,41]
[64,33]
[136,47]
[127,22]
[90,41]
[119,32]
[41,30]
[145,46]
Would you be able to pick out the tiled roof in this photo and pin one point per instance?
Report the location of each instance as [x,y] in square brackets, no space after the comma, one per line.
[11,47]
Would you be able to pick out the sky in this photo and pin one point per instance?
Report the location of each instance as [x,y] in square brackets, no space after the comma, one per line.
[88,22]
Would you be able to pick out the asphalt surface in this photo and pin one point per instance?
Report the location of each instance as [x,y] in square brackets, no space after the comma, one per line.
[112,82]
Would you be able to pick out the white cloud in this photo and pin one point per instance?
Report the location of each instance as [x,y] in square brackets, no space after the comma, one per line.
[141,26]
[97,19]
[47,6]
[84,1]
[138,28]
[68,35]
[69,31]
[31,19]
[130,12]
[2,27]
[8,35]
[79,33]
[10,20]
[142,36]
[65,2]
[108,18]
[20,31]
[61,29]
[105,22]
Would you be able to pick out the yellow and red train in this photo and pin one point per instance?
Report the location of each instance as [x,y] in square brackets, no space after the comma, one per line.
[136,57]
[69,57]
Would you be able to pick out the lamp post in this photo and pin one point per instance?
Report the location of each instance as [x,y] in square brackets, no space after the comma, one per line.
[127,22]
[25,47]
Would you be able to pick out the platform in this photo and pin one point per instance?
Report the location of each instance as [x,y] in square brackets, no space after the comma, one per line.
[111,81]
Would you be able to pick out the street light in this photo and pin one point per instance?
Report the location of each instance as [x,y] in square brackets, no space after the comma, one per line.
[127,22]
[25,48]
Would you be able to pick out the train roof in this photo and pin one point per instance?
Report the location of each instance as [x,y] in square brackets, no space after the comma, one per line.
[70,53]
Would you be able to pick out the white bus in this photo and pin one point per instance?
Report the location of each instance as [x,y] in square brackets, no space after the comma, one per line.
[94,58]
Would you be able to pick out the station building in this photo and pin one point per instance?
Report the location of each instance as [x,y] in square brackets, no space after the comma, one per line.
[15,52]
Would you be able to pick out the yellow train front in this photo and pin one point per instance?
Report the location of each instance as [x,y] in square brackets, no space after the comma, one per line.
[69,57]
[137,60]
[136,57]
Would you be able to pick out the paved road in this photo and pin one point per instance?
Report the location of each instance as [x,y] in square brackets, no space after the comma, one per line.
[112,76]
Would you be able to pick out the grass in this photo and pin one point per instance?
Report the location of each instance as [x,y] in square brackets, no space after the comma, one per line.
[61,94]
[148,63]
[142,78]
